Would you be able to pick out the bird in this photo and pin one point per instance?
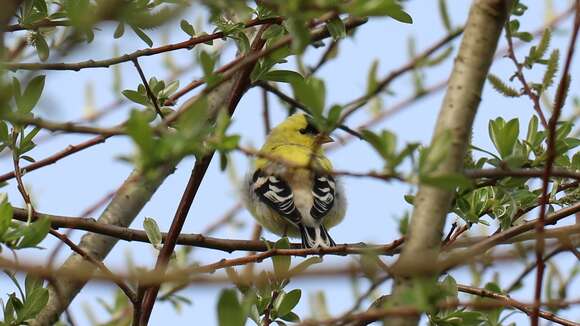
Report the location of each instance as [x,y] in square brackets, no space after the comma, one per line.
[286,197]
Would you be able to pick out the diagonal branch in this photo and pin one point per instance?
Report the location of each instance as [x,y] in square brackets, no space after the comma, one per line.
[551,157]
[241,85]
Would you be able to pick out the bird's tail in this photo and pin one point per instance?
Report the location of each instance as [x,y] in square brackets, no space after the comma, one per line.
[315,236]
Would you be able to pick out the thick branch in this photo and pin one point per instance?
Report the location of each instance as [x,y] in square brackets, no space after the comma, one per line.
[124,207]
[480,38]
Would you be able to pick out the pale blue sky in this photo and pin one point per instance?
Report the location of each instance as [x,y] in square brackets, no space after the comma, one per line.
[75,183]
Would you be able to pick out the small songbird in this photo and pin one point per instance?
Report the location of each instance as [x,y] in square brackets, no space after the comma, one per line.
[293,201]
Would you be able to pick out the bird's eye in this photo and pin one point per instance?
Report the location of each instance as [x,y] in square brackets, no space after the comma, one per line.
[310,129]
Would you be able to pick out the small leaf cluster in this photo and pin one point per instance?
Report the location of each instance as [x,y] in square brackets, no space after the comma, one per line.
[161,92]
[425,294]
[538,54]
[385,144]
[310,92]
[156,147]
[513,152]
[465,317]
[298,13]
[266,297]
[430,160]
[83,15]
[559,284]
[20,139]
[17,235]
[233,30]
[518,10]
[509,196]
[19,310]
[117,310]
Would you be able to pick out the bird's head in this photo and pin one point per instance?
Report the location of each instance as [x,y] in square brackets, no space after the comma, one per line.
[297,129]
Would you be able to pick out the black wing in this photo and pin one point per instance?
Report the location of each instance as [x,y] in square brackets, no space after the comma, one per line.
[323,192]
[277,194]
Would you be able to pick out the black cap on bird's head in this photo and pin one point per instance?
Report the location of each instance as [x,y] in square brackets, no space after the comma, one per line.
[298,128]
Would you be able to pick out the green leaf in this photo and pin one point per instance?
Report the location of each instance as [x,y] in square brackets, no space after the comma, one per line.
[187,27]
[142,35]
[41,6]
[31,283]
[532,134]
[284,76]
[139,130]
[372,80]
[273,31]
[336,28]
[34,303]
[4,135]
[333,116]
[229,309]
[501,87]
[524,36]
[135,96]
[119,31]
[431,157]
[305,264]
[504,135]
[397,13]
[42,49]
[288,301]
[34,233]
[444,13]
[386,144]
[300,34]
[6,214]
[291,317]
[281,263]
[153,232]
[26,143]
[28,100]
[312,93]
[379,8]
[207,62]
[449,285]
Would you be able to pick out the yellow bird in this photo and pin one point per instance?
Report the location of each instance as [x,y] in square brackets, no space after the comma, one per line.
[297,202]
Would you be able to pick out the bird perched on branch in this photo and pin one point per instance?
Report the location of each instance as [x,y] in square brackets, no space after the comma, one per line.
[291,191]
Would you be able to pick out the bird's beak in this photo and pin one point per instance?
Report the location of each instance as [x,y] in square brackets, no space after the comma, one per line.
[326,139]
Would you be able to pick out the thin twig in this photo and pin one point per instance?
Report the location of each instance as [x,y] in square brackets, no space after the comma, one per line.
[530,267]
[373,315]
[152,97]
[69,150]
[124,287]
[189,44]
[527,90]
[266,112]
[551,156]
[525,308]
[355,104]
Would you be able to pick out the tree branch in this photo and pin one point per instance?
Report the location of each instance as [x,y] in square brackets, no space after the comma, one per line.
[563,87]
[129,57]
[240,86]
[480,38]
